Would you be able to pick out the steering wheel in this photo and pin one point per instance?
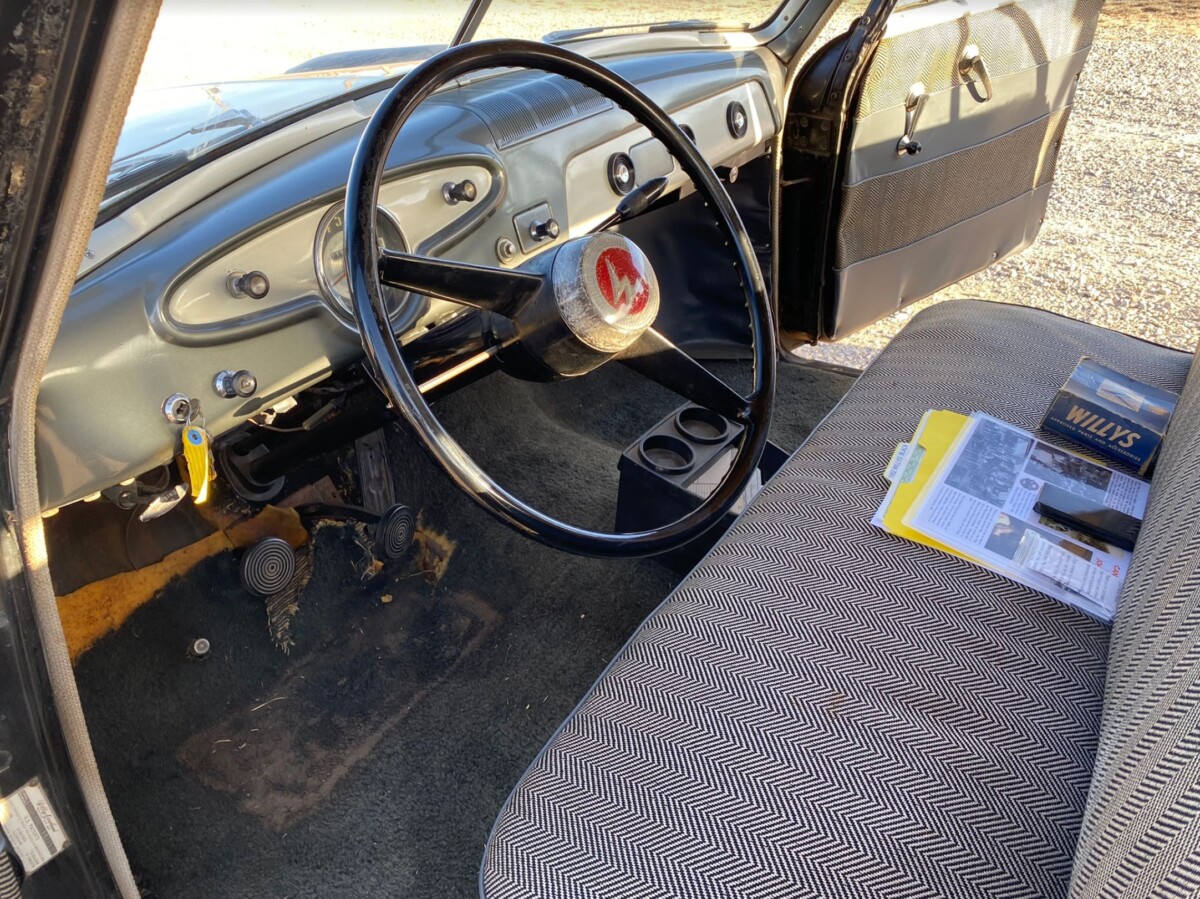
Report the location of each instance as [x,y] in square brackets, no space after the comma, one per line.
[569,310]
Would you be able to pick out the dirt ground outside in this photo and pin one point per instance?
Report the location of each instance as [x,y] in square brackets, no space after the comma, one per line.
[1121,243]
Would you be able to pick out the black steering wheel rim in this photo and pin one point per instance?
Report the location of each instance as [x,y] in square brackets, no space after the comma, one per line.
[394,374]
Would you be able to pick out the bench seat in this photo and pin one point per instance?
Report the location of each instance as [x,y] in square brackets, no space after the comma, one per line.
[822,709]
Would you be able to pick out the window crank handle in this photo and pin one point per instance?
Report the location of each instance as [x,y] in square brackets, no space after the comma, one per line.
[914,104]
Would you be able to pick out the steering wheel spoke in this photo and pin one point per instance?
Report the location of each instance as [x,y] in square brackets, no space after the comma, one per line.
[498,290]
[655,357]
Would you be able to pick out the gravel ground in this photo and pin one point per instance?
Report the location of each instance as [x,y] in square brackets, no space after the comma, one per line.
[1121,242]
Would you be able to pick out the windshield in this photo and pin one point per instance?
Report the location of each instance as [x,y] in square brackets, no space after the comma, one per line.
[558,21]
[216,71]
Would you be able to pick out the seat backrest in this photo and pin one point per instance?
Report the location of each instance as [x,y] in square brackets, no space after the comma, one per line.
[1141,830]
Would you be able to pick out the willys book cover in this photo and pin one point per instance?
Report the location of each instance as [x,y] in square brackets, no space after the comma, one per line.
[1112,413]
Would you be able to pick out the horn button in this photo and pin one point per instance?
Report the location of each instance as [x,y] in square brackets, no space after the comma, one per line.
[605,291]
[599,296]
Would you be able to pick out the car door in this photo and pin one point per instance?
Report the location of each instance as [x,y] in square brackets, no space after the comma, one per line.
[49,846]
[920,148]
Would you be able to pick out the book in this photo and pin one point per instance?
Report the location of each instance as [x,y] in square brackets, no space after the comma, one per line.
[1111,413]
[911,467]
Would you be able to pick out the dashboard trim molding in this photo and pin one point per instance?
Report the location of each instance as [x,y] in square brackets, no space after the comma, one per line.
[158,307]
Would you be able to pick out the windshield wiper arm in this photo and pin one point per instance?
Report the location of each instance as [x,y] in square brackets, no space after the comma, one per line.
[230,118]
[557,37]
[141,169]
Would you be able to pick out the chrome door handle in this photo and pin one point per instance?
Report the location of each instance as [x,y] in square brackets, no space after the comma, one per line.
[973,68]
[914,103]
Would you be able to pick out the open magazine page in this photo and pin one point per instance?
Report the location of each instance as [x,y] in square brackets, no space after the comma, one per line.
[980,502]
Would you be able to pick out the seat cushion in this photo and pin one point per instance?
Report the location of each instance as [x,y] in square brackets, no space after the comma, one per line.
[821,709]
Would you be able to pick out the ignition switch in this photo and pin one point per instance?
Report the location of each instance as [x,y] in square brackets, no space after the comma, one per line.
[177,408]
[230,384]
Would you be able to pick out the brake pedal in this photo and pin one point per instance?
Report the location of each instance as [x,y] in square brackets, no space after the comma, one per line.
[267,566]
[394,532]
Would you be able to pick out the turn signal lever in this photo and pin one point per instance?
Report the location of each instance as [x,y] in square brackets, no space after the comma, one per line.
[635,202]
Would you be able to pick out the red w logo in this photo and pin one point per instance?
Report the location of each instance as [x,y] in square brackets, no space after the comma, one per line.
[621,281]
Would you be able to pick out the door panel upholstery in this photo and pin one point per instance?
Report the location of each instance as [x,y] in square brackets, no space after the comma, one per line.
[905,226]
[996,171]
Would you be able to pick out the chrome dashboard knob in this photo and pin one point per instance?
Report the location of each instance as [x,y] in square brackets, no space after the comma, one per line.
[254,285]
[462,192]
[737,120]
[547,230]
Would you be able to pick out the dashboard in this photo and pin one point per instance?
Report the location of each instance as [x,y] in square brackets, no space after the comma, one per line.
[246,273]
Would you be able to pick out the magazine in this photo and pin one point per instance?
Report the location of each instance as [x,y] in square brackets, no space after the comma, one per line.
[976,498]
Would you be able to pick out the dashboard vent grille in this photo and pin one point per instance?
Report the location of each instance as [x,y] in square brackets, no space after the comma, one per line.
[517,108]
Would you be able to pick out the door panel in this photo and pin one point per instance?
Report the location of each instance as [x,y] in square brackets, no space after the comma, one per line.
[984,143]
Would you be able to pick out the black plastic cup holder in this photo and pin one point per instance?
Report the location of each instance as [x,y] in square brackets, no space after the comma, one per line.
[666,454]
[663,475]
[701,425]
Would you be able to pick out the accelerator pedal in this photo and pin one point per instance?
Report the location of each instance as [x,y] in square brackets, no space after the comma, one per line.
[374,473]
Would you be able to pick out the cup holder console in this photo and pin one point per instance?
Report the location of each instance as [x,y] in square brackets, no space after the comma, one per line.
[666,454]
[675,466]
[701,425]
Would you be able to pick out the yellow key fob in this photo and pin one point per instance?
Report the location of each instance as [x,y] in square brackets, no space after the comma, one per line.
[198,456]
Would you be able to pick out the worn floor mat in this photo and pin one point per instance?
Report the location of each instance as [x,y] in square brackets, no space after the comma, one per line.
[283,756]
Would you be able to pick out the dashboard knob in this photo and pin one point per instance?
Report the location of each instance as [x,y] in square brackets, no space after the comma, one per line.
[230,384]
[254,285]
[621,174]
[463,192]
[736,118]
[547,230]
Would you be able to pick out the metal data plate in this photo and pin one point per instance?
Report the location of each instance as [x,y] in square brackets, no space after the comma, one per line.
[31,826]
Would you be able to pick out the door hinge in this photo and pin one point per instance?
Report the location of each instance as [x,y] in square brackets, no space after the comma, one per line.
[810,133]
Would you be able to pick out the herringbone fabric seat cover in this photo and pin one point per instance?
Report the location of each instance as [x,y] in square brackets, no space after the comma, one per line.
[823,710]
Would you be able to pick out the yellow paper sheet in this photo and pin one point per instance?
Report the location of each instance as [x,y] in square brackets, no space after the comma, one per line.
[935,435]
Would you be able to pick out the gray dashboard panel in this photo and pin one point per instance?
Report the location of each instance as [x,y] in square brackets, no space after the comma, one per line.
[120,351]
[199,309]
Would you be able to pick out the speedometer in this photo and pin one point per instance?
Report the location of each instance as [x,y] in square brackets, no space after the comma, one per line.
[330,253]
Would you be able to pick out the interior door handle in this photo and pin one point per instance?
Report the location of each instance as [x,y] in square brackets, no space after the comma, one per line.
[973,68]
[914,103]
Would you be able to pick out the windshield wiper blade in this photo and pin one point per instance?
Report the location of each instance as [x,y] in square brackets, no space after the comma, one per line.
[571,34]
[141,168]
